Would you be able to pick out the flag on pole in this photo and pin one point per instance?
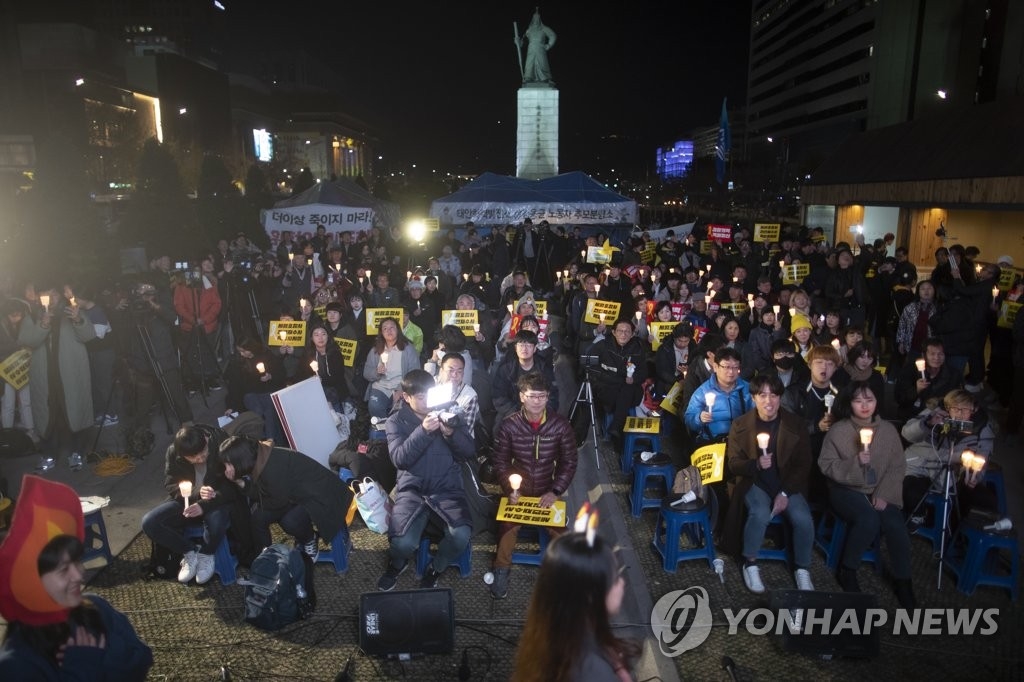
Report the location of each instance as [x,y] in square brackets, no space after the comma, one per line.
[723,144]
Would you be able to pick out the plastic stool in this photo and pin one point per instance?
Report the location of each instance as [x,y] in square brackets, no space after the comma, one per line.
[831,539]
[693,518]
[978,566]
[424,557]
[96,532]
[776,554]
[224,562]
[338,553]
[532,558]
[642,472]
[993,478]
[378,434]
[934,532]
[632,438]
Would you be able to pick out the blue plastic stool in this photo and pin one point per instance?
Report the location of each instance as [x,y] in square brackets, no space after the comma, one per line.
[338,552]
[378,434]
[993,478]
[934,532]
[978,566]
[692,518]
[96,532]
[769,554]
[631,445]
[424,557]
[542,539]
[224,562]
[831,539]
[642,472]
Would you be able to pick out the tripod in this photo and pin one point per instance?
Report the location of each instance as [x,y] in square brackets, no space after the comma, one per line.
[586,396]
[154,364]
[197,345]
[949,494]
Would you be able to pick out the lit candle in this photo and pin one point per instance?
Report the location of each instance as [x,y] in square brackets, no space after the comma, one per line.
[750,298]
[75,303]
[865,437]
[544,315]
[776,308]
[638,315]
[515,480]
[919,363]
[762,442]
[185,488]
[735,279]
[384,358]
[597,289]
[260,367]
[465,277]
[291,257]
[315,366]
[509,306]
[583,254]
[829,401]
[44,300]
[601,316]
[408,274]
[709,400]
[792,312]
[476,328]
[565,273]
[558,275]
[654,278]
[967,460]
[995,293]
[368,274]
[835,343]
[782,264]
[711,293]
[283,335]
[303,303]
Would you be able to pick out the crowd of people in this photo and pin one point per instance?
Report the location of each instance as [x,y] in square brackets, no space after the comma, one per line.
[784,350]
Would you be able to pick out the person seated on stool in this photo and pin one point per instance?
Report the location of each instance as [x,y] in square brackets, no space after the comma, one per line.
[771,480]
[539,445]
[620,374]
[427,454]
[193,457]
[288,488]
[862,458]
[931,435]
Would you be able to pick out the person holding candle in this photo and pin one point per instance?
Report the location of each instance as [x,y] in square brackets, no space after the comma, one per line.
[54,630]
[618,379]
[710,420]
[918,388]
[198,495]
[507,373]
[330,366]
[537,445]
[862,458]
[383,295]
[391,357]
[769,452]
[932,435]
[252,374]
[757,352]
[427,454]
[673,357]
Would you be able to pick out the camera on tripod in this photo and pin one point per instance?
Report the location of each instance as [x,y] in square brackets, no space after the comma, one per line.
[137,302]
[589,361]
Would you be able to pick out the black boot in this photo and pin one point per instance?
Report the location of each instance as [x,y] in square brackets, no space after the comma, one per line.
[905,594]
[847,578]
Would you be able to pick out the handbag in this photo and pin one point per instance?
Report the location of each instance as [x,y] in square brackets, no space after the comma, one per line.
[374,506]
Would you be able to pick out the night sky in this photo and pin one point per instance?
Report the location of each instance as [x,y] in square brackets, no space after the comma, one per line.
[438,81]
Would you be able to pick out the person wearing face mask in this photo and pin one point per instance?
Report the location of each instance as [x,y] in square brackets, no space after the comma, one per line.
[786,365]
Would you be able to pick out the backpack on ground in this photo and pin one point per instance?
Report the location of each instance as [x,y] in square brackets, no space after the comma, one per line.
[275,592]
[15,443]
[163,564]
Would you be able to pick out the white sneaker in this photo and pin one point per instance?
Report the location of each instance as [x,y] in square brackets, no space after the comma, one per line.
[803,580]
[752,579]
[204,569]
[189,564]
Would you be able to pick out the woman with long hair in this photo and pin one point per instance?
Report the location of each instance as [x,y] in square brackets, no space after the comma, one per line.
[567,634]
[912,331]
[391,358]
[862,458]
[55,631]
[249,387]
[330,366]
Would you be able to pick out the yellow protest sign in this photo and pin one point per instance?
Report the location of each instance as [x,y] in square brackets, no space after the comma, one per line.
[794,274]
[348,350]
[736,309]
[1007,276]
[705,247]
[670,402]
[541,307]
[649,253]
[528,511]
[642,425]
[431,224]
[375,315]
[767,232]
[321,311]
[14,369]
[596,255]
[1007,314]
[710,461]
[287,333]
[466,320]
[601,311]
[659,332]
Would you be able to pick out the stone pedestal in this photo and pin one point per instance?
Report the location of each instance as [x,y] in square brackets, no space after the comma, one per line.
[537,132]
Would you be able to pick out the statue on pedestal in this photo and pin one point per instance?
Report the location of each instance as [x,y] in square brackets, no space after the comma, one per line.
[540,39]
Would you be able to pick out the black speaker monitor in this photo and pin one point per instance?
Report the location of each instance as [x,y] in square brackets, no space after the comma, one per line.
[406,624]
[828,640]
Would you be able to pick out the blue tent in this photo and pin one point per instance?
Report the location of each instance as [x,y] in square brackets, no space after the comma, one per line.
[567,199]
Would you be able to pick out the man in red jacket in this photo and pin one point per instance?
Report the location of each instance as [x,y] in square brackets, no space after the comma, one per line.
[197,303]
[539,445]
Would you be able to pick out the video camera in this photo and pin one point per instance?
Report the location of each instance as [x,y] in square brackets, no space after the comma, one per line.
[957,426]
[589,361]
[439,400]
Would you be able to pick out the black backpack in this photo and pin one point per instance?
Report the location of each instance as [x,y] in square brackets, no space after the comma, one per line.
[163,564]
[15,443]
[276,592]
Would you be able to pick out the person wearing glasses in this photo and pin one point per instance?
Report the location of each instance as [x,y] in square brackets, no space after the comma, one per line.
[709,419]
[515,365]
[770,480]
[621,372]
[538,444]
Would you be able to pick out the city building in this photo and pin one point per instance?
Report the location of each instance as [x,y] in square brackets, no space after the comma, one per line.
[674,161]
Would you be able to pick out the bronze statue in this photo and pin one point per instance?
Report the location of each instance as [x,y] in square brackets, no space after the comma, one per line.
[540,39]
